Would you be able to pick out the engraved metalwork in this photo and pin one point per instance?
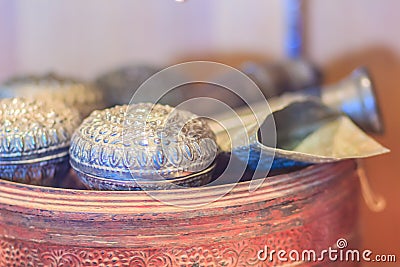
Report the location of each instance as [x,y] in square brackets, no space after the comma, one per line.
[34,140]
[100,154]
[307,209]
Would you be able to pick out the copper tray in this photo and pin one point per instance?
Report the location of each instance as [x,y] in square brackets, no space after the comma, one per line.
[305,209]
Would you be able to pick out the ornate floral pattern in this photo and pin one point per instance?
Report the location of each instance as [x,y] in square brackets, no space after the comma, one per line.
[142,140]
[34,127]
[239,254]
[41,173]
[314,219]
[17,254]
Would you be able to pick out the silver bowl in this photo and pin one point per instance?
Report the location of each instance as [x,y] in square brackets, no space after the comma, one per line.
[83,96]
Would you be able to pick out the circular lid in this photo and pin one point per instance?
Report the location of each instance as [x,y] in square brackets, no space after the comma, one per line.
[32,129]
[84,96]
[142,140]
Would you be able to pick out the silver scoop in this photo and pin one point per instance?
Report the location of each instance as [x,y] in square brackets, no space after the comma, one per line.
[311,125]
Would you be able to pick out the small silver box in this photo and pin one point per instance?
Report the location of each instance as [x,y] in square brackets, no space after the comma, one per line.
[34,140]
[142,146]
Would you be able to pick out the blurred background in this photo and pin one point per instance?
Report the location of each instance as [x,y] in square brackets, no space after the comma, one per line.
[87,38]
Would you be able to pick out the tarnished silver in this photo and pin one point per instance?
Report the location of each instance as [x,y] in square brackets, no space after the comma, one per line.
[355,96]
[276,78]
[34,140]
[83,96]
[119,85]
[311,125]
[273,79]
[141,145]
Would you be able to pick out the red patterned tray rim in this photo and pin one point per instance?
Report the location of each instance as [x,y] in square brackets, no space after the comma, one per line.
[68,200]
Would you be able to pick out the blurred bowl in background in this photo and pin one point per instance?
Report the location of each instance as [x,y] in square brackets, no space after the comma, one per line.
[119,85]
[83,96]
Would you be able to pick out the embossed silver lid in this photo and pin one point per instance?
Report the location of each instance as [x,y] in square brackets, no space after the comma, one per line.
[84,96]
[142,141]
[34,130]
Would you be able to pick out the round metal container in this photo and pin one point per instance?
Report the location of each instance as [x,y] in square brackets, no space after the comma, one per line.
[143,146]
[34,140]
[83,96]
[307,209]
[279,77]
[119,85]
